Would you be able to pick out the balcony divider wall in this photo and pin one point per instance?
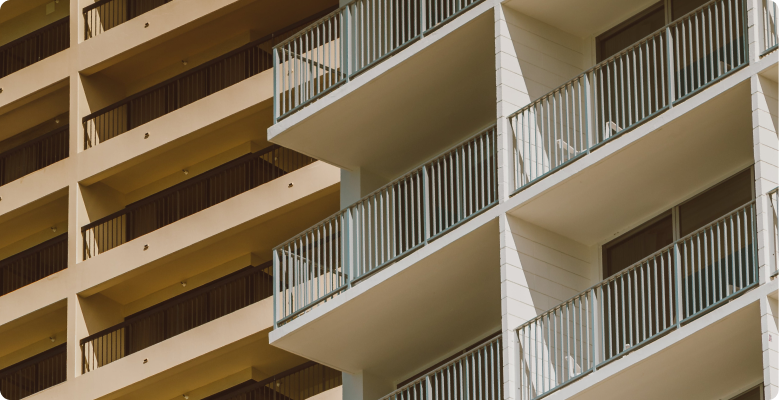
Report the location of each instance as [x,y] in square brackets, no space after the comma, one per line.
[628,89]
[34,47]
[177,315]
[299,383]
[189,197]
[34,155]
[385,226]
[673,286]
[349,41]
[183,89]
[33,264]
[34,374]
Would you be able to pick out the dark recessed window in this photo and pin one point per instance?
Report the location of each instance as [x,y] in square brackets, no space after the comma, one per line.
[637,244]
[715,202]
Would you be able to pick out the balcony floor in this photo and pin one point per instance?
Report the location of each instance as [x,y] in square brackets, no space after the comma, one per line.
[358,124]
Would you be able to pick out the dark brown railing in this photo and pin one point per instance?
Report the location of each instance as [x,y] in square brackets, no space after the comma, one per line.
[33,264]
[177,315]
[36,154]
[34,374]
[189,197]
[299,383]
[35,46]
[183,89]
[106,14]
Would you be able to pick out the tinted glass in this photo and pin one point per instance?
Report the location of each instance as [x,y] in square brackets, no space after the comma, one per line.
[716,202]
[681,7]
[636,245]
[615,40]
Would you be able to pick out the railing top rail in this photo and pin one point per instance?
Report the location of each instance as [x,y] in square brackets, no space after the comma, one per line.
[631,267]
[57,239]
[34,141]
[773,191]
[132,318]
[196,179]
[61,21]
[199,68]
[95,5]
[716,221]
[314,24]
[443,367]
[614,57]
[33,360]
[385,187]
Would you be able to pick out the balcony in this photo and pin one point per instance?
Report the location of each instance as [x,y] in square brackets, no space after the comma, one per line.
[387,225]
[106,14]
[34,155]
[177,315]
[773,221]
[181,90]
[34,374]
[665,291]
[189,197]
[769,37]
[341,83]
[34,47]
[299,383]
[627,90]
[33,264]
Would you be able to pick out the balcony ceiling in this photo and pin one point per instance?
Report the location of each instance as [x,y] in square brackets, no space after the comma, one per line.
[710,364]
[13,8]
[413,318]
[581,18]
[441,94]
[667,166]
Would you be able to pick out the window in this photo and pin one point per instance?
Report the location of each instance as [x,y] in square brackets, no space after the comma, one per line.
[693,214]
[641,25]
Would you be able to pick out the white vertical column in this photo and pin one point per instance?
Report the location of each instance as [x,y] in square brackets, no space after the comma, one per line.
[770,336]
[753,29]
[511,95]
[766,153]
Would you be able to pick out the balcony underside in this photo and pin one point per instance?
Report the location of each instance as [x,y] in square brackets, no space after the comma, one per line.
[428,97]
[665,161]
[578,17]
[719,359]
[411,314]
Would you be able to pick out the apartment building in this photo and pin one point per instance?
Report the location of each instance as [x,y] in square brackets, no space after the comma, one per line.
[389,199]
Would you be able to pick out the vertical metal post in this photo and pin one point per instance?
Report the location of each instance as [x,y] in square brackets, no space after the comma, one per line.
[422,18]
[669,60]
[428,388]
[276,286]
[593,330]
[346,41]
[346,226]
[589,129]
[426,207]
[275,91]
[677,285]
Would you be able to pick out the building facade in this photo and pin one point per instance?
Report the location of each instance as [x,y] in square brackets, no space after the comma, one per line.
[389,199]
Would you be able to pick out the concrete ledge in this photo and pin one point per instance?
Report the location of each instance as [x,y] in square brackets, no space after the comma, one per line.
[30,190]
[35,81]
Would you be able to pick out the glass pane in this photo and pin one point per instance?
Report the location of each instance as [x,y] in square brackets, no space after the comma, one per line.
[637,244]
[716,202]
[633,30]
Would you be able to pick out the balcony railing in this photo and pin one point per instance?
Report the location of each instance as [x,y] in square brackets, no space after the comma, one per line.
[33,264]
[628,89]
[773,199]
[349,41]
[36,154]
[189,197]
[107,14]
[34,374]
[299,383]
[475,375]
[385,226]
[177,315]
[675,285]
[770,36]
[183,89]
[35,46]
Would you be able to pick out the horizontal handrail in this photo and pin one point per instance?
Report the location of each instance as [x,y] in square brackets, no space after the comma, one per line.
[34,155]
[34,374]
[385,226]
[676,284]
[177,315]
[189,197]
[316,377]
[476,374]
[628,89]
[34,46]
[349,41]
[33,264]
[183,89]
